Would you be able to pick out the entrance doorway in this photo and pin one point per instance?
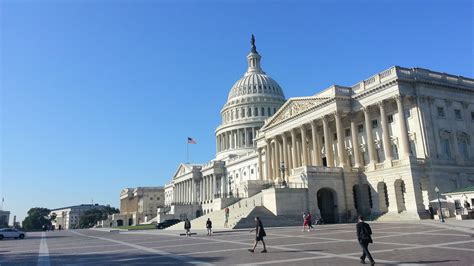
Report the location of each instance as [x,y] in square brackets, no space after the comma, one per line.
[325,162]
[130,221]
[198,213]
[119,222]
[327,205]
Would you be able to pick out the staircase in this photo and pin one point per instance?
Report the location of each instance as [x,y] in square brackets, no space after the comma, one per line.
[237,211]
[402,216]
[241,215]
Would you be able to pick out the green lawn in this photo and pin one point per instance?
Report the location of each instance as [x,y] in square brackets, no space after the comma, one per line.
[138,227]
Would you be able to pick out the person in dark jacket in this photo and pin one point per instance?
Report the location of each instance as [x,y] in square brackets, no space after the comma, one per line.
[259,235]
[364,237]
[187,227]
[209,226]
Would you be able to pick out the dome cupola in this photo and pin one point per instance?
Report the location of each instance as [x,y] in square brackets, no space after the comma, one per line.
[252,99]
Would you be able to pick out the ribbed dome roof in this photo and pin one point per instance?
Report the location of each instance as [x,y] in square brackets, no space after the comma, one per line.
[254,84]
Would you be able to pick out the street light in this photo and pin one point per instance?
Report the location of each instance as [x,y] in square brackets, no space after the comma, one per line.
[439,203]
[282,169]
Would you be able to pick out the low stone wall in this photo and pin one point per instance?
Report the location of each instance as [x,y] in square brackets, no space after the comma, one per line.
[286,201]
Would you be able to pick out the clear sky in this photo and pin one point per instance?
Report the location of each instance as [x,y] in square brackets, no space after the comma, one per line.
[97,96]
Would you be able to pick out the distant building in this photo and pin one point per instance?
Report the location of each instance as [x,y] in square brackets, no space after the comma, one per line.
[68,217]
[140,204]
[4,218]
[137,205]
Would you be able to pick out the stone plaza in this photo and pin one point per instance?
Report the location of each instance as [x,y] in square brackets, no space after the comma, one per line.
[406,243]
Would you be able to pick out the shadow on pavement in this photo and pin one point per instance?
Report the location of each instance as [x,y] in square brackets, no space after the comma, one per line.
[128,258]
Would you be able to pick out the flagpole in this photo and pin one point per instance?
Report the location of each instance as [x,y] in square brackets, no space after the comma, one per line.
[187,151]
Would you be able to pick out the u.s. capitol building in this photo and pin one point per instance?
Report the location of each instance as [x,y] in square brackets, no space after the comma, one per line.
[379,147]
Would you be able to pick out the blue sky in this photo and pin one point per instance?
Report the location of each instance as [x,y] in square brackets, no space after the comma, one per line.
[97,96]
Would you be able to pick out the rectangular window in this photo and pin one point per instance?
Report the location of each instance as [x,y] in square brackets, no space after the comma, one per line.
[348,132]
[390,119]
[472,116]
[446,148]
[360,128]
[394,152]
[334,136]
[457,114]
[375,123]
[412,148]
[440,111]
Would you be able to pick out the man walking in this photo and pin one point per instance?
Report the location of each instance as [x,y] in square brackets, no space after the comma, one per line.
[226,211]
[187,227]
[364,236]
[209,226]
[259,235]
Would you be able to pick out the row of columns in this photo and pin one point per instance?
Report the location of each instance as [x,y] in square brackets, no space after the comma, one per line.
[207,188]
[296,154]
[184,192]
[235,139]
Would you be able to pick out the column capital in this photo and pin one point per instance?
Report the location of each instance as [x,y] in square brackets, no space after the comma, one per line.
[293,132]
[398,97]
[325,118]
[381,103]
[337,113]
[366,109]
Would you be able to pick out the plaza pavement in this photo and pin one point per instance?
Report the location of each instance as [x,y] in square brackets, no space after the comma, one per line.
[394,244]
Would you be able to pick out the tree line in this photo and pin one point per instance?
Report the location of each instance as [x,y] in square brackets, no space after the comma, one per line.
[39,217]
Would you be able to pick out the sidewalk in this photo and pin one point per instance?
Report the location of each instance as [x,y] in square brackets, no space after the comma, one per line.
[466,226]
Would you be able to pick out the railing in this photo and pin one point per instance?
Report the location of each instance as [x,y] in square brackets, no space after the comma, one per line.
[379,166]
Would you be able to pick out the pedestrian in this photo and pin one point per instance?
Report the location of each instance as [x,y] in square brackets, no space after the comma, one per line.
[364,237]
[226,211]
[305,221]
[187,227]
[310,221]
[259,235]
[209,226]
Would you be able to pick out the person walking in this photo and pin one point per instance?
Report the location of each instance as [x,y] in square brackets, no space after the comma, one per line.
[305,221]
[364,236]
[310,221]
[187,227]
[226,211]
[259,235]
[209,226]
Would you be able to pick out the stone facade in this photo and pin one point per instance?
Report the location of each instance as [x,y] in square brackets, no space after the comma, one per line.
[378,147]
[139,205]
[68,217]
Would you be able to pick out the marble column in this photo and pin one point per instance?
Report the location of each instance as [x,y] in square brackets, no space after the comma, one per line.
[278,158]
[405,146]
[293,149]
[253,136]
[304,161]
[260,170]
[285,155]
[387,147]
[355,142]
[246,138]
[214,185]
[316,149]
[327,143]
[370,139]
[340,140]
[268,160]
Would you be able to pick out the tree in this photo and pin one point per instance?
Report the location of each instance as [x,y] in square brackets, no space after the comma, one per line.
[37,218]
[90,217]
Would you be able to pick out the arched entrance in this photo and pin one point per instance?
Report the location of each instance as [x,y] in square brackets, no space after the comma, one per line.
[400,195]
[198,213]
[130,221]
[119,222]
[327,205]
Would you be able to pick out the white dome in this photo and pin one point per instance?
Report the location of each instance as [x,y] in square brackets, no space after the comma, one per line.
[252,99]
[256,84]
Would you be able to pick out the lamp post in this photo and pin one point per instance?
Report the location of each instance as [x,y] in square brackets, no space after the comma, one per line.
[282,169]
[439,203]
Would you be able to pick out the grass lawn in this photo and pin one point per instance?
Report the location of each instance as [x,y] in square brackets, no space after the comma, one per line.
[138,227]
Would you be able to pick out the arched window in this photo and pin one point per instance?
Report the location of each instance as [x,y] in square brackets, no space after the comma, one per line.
[243,112]
[263,112]
[269,111]
[236,113]
[255,111]
[463,144]
[249,112]
[445,136]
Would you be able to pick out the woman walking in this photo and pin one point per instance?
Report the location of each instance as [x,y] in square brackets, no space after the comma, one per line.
[259,235]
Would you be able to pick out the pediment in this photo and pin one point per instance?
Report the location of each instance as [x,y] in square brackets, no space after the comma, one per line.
[182,169]
[294,107]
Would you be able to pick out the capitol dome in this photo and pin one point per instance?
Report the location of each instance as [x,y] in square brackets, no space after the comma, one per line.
[252,99]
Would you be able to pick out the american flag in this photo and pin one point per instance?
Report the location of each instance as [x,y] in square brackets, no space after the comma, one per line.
[191,141]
